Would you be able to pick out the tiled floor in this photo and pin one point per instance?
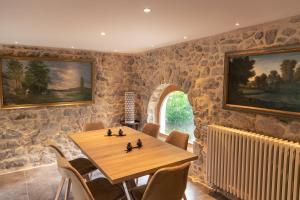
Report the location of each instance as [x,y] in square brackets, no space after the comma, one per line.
[40,184]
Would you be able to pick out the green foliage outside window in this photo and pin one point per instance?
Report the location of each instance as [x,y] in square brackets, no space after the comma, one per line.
[179,114]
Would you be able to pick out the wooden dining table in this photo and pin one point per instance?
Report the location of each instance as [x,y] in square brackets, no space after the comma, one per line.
[109,155]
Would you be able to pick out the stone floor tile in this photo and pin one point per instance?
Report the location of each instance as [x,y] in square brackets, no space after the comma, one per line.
[41,184]
[13,186]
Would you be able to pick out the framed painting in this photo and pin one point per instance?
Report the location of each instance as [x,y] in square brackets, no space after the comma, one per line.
[265,81]
[34,82]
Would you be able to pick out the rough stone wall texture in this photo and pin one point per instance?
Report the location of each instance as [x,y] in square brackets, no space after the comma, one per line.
[24,133]
[197,67]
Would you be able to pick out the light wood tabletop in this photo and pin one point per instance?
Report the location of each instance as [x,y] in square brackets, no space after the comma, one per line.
[109,155]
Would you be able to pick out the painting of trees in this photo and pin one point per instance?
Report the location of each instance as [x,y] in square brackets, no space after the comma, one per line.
[33,81]
[273,80]
[15,73]
[242,71]
[288,69]
[81,83]
[297,74]
[261,81]
[37,77]
[264,81]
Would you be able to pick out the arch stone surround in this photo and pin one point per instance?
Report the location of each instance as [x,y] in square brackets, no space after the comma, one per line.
[156,100]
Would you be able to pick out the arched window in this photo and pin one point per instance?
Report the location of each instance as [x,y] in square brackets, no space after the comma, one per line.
[176,113]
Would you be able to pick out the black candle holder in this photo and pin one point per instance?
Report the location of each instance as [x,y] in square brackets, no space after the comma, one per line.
[120,133]
[109,132]
[139,143]
[129,146]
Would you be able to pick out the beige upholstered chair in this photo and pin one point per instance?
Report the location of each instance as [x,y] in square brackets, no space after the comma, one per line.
[94,126]
[97,189]
[166,184]
[178,139]
[82,165]
[151,129]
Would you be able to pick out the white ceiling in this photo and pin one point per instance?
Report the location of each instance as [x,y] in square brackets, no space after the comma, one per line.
[78,23]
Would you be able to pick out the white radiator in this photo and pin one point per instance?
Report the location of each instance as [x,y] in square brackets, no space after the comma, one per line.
[252,166]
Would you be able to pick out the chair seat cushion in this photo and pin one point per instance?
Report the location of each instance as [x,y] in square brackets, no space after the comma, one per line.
[102,189]
[138,192]
[82,165]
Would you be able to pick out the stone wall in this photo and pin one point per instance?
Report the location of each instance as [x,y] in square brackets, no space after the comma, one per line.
[197,67]
[25,133]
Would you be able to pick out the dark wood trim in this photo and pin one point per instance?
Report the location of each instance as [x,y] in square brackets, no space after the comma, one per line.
[253,52]
[93,79]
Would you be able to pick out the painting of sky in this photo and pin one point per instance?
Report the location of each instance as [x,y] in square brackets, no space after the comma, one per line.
[267,83]
[38,81]
[67,75]
[269,62]
[64,75]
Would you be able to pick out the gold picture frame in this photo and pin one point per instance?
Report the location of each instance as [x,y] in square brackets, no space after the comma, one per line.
[89,91]
[231,102]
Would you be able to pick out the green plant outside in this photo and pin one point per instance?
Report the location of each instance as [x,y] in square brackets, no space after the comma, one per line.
[179,114]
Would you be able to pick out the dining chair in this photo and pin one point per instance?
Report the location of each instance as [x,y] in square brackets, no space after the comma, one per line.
[94,126]
[151,129]
[178,139]
[82,165]
[166,184]
[97,189]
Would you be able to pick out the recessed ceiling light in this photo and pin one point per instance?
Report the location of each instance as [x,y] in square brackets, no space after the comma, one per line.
[237,24]
[152,45]
[185,37]
[103,33]
[147,10]
[16,42]
[72,47]
[115,50]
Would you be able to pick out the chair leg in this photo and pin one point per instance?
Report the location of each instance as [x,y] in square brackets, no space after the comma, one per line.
[60,187]
[184,196]
[68,189]
[137,181]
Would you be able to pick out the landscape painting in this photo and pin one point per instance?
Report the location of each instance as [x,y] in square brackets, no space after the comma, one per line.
[267,81]
[35,81]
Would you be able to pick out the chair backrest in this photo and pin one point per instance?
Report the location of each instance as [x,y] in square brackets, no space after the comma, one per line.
[178,139]
[94,126]
[151,129]
[80,189]
[60,157]
[57,152]
[168,183]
